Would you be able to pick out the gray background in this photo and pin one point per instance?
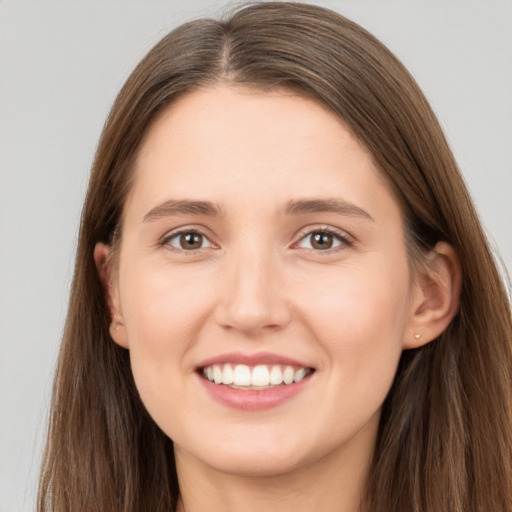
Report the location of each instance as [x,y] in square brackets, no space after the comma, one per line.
[61,64]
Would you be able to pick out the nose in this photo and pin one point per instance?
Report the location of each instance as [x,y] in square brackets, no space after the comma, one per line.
[253,296]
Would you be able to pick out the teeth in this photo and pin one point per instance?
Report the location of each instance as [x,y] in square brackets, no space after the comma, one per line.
[276,376]
[299,375]
[227,374]
[288,375]
[217,374]
[242,375]
[260,376]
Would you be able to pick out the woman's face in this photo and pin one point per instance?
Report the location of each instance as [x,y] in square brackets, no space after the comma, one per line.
[260,244]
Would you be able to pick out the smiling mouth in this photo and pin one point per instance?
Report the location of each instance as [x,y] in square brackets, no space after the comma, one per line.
[241,376]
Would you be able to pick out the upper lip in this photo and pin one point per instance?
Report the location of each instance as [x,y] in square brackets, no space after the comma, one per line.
[267,358]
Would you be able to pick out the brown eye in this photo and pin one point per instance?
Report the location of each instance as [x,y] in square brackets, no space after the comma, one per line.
[322,241]
[188,241]
[191,241]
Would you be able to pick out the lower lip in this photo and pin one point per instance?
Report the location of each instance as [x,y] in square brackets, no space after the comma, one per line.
[251,399]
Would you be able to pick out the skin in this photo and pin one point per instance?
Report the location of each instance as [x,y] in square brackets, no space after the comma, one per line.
[258,284]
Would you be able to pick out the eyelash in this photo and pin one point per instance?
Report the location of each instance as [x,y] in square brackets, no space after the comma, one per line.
[176,235]
[343,239]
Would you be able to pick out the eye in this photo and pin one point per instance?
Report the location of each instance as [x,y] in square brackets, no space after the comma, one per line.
[188,241]
[322,240]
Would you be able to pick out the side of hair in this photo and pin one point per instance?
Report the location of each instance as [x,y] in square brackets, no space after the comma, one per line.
[445,439]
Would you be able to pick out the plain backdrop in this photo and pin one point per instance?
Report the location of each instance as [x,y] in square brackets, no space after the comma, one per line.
[61,65]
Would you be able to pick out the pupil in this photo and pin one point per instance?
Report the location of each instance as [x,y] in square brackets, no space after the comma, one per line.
[322,241]
[191,241]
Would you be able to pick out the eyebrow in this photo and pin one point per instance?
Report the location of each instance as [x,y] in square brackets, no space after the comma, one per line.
[183,207]
[302,206]
[293,207]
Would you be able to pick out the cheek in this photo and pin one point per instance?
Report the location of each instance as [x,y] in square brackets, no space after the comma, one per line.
[160,308]
[359,302]
[358,318]
[162,313]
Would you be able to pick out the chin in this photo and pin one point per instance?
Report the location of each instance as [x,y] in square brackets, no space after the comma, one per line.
[269,457]
[251,465]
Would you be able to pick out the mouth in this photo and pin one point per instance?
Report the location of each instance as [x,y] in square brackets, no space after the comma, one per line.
[254,377]
[254,382]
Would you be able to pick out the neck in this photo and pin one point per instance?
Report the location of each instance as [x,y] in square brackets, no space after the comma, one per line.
[334,483]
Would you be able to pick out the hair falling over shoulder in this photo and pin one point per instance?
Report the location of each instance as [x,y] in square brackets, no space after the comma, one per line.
[445,438]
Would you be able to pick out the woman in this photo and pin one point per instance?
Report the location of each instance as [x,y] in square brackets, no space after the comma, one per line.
[283,297]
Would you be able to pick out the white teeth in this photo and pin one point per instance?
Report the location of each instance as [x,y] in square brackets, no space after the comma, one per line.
[242,375]
[276,376]
[227,374]
[259,376]
[288,375]
[217,374]
[299,375]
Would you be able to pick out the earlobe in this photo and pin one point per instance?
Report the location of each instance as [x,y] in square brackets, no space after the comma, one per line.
[436,296]
[117,328]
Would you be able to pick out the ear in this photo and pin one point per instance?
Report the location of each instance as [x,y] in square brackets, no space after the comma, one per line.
[436,296]
[117,327]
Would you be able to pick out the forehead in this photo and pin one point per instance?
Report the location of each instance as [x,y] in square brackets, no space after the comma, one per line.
[237,109]
[227,142]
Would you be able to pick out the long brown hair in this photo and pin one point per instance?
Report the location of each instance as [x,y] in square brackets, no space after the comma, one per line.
[445,437]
